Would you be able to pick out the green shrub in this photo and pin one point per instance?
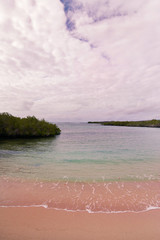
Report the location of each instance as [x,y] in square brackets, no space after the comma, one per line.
[11,126]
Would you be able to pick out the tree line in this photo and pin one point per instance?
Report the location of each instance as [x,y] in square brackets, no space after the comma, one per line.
[146,123]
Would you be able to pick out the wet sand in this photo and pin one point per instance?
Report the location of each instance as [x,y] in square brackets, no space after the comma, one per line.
[47,224]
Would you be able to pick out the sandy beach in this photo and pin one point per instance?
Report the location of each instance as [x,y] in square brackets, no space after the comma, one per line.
[87,171]
[46,224]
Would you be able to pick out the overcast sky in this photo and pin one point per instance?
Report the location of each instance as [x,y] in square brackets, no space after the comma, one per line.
[80,60]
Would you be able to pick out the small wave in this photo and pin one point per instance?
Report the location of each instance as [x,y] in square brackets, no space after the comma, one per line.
[98,197]
[150,208]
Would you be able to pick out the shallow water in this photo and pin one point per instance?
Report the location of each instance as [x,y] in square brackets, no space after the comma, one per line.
[104,197]
[88,167]
[85,152]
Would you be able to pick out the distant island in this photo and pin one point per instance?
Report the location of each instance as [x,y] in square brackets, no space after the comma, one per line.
[148,123]
[29,127]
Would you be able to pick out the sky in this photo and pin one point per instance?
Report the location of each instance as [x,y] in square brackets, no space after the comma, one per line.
[80,60]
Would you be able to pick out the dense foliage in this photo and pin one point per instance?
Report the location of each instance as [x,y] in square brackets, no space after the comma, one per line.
[148,123]
[11,126]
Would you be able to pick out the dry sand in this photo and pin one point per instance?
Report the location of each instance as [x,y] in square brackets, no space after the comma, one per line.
[47,224]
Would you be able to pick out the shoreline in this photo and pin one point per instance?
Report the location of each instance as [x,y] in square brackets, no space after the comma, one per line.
[93,198]
[151,208]
[38,223]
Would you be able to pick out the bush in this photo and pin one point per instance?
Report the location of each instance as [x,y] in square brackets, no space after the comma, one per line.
[11,126]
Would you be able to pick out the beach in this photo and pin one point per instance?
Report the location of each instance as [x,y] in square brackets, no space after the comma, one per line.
[40,223]
[88,183]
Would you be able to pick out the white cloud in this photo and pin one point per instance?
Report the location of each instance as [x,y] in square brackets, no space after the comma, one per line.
[81,60]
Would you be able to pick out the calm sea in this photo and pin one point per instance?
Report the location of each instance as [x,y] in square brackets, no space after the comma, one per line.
[85,152]
[88,167]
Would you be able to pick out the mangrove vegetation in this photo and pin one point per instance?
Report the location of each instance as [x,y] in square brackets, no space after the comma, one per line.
[147,123]
[29,127]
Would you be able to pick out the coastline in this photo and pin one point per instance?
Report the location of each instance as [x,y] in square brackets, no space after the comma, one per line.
[143,123]
[40,223]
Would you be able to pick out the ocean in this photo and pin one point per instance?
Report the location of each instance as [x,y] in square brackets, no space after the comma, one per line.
[88,167]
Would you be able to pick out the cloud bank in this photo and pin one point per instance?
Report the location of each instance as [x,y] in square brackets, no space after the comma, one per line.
[80,60]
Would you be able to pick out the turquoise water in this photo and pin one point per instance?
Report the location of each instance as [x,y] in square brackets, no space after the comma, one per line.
[85,152]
